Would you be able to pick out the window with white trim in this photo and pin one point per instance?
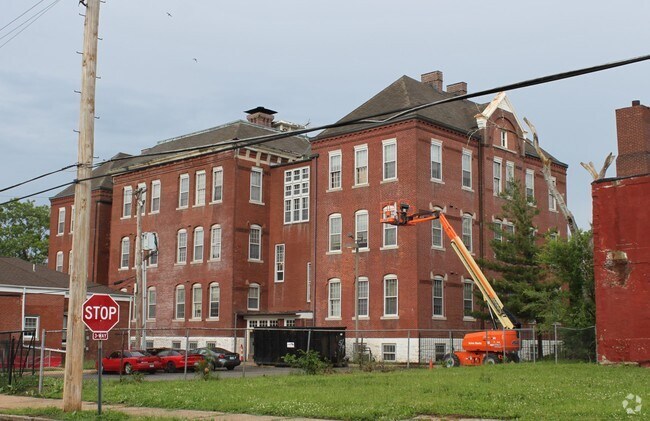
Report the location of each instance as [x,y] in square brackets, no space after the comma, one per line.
[436,160]
[334,170]
[256,185]
[390,296]
[504,138]
[361,228]
[181,246]
[59,261]
[296,195]
[215,299]
[279,263]
[179,310]
[467,231]
[360,165]
[496,177]
[153,254]
[141,204]
[389,235]
[151,303]
[468,298]
[125,251]
[438,299]
[31,323]
[197,256]
[127,201]
[197,301]
[309,282]
[70,261]
[552,203]
[61,222]
[363,297]
[498,230]
[335,232]
[155,196]
[334,298]
[530,185]
[71,219]
[215,242]
[183,190]
[389,352]
[389,148]
[510,175]
[467,169]
[437,240]
[254,297]
[255,243]
[199,193]
[217,184]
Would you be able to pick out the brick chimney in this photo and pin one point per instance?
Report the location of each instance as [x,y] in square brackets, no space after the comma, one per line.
[458,88]
[260,116]
[434,79]
[633,132]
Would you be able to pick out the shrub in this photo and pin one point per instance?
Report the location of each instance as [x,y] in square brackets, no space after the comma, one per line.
[309,362]
[203,372]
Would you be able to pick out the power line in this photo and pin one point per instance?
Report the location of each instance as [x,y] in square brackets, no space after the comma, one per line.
[37,177]
[31,20]
[22,14]
[393,115]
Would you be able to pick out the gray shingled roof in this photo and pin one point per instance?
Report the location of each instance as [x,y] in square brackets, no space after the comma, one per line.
[18,272]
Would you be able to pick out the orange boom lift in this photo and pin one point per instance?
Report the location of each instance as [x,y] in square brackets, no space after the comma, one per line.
[489,347]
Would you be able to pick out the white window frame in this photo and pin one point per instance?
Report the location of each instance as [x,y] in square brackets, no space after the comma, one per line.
[530,185]
[141,204]
[436,158]
[181,247]
[308,282]
[466,167]
[36,329]
[151,303]
[468,297]
[334,299]
[215,242]
[552,203]
[279,262]
[438,294]
[498,229]
[360,219]
[335,173]
[152,260]
[156,190]
[497,174]
[510,175]
[59,261]
[127,202]
[255,244]
[253,298]
[70,261]
[61,222]
[361,165]
[197,302]
[256,183]
[71,219]
[436,227]
[217,184]
[179,302]
[504,139]
[199,188]
[183,191]
[215,300]
[467,231]
[389,352]
[125,252]
[363,297]
[198,242]
[386,229]
[296,195]
[333,235]
[389,296]
[386,145]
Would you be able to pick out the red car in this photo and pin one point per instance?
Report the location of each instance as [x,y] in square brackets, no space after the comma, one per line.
[173,359]
[130,361]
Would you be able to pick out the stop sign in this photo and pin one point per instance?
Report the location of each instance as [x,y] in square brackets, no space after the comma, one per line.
[101,313]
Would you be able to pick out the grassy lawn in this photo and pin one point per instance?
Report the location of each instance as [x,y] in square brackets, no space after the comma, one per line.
[522,391]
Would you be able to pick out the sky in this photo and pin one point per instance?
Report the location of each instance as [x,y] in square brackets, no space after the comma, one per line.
[169,68]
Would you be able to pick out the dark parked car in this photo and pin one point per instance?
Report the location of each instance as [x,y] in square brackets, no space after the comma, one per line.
[219,357]
[174,359]
[130,361]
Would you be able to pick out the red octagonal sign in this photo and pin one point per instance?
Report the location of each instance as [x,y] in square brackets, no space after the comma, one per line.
[101,313]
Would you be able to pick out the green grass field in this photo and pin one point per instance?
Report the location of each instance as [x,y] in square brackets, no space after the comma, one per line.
[511,391]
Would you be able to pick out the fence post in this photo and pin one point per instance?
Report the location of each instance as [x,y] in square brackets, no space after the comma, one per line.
[187,351]
[534,346]
[555,340]
[408,349]
[40,370]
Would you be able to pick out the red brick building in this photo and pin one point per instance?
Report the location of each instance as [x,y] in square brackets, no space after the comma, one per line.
[257,235]
[621,207]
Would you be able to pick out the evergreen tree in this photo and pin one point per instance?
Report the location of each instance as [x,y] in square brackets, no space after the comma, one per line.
[24,231]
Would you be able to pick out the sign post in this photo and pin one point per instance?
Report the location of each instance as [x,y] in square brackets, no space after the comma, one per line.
[100,314]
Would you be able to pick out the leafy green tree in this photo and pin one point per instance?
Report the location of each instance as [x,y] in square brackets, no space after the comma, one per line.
[24,231]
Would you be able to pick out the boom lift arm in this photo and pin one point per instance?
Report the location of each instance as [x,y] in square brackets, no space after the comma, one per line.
[397,214]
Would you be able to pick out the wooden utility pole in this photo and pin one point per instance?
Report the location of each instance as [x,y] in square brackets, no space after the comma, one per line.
[81,238]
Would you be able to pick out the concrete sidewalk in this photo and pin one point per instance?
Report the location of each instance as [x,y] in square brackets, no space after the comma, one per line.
[17,402]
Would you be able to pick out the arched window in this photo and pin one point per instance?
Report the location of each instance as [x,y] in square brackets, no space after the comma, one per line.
[59,261]
[361,228]
[215,298]
[438,298]
[198,245]
[215,242]
[335,232]
[437,240]
[255,243]
[363,297]
[254,297]
[179,311]
[197,301]
[467,231]
[151,303]
[124,259]
[181,246]
[390,296]
[334,298]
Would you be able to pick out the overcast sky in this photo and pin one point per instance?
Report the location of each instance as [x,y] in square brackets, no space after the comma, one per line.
[312,61]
